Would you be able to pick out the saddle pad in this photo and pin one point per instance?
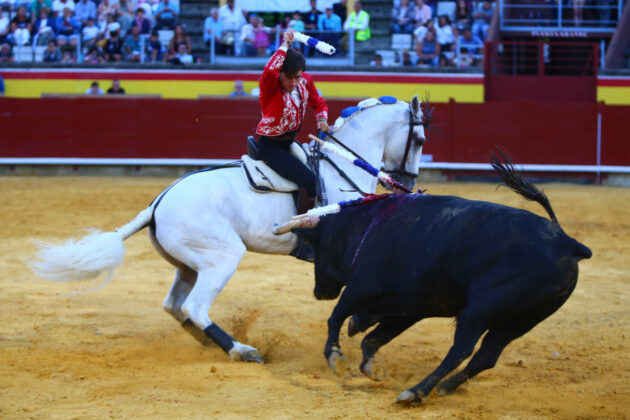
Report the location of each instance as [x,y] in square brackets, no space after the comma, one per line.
[261,178]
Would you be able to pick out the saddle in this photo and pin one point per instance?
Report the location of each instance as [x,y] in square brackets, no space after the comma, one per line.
[260,177]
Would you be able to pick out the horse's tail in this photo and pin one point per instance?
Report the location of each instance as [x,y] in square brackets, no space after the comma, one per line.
[89,256]
[515,181]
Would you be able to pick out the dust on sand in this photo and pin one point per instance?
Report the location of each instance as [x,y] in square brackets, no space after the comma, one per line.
[116,353]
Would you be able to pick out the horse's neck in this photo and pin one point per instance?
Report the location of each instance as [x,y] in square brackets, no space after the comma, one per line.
[368,144]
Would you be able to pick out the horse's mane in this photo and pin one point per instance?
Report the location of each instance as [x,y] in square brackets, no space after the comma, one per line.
[352,111]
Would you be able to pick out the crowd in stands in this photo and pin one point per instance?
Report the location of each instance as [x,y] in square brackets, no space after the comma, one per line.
[438,40]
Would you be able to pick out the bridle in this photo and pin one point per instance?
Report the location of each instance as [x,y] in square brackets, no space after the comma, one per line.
[413,122]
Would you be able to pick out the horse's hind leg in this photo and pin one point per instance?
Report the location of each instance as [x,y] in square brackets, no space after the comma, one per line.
[211,279]
[182,285]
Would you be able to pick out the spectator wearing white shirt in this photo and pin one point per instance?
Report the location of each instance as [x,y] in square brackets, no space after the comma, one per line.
[233,20]
[85,9]
[59,5]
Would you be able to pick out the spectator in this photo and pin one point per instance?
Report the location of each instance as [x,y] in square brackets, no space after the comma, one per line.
[238,89]
[6,55]
[296,23]
[261,37]
[421,31]
[5,27]
[182,56]
[446,33]
[166,15]
[423,13]
[310,18]
[377,61]
[126,10]
[406,59]
[233,20]
[20,27]
[113,49]
[59,5]
[93,56]
[115,88]
[37,6]
[131,47]
[404,18]
[66,24]
[109,26]
[142,22]
[94,89]
[428,50]
[90,34]
[213,28]
[331,26]
[359,20]
[463,14]
[66,57]
[44,27]
[106,8]
[154,49]
[341,9]
[248,36]
[179,38]
[83,10]
[51,53]
[469,48]
[482,18]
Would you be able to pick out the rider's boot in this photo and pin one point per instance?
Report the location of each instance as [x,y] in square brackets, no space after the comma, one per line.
[304,251]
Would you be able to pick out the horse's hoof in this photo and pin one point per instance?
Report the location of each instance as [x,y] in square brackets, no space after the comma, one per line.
[374,370]
[337,362]
[252,356]
[408,397]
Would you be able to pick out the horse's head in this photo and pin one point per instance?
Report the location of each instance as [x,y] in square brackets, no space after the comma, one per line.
[403,145]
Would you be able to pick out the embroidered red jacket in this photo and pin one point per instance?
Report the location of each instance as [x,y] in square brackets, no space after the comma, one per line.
[279,112]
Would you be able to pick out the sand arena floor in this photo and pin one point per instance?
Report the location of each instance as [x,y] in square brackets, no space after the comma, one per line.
[115,353]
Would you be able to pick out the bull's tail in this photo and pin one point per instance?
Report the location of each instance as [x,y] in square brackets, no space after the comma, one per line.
[89,256]
[517,183]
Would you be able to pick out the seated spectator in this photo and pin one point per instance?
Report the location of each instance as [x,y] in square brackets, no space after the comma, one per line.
[446,33]
[377,61]
[93,56]
[297,25]
[44,27]
[83,10]
[115,89]
[340,9]
[359,20]
[113,49]
[406,59]
[37,5]
[110,25]
[72,47]
[51,53]
[142,22]
[131,47]
[463,14]
[106,8]
[238,89]
[330,26]
[182,56]
[66,24]
[154,49]
[423,13]
[90,34]
[5,27]
[126,12]
[428,50]
[404,18]
[20,27]
[261,38]
[166,15]
[59,5]
[94,89]
[233,20]
[6,54]
[213,28]
[179,38]
[248,36]
[310,18]
[421,31]
[66,58]
[470,47]
[482,18]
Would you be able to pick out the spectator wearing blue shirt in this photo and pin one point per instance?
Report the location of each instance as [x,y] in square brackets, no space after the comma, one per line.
[67,24]
[469,49]
[330,26]
[213,28]
[83,10]
[166,16]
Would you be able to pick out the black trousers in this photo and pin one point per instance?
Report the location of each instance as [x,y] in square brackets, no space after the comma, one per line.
[275,153]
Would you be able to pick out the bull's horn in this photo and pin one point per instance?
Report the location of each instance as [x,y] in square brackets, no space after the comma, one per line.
[305,222]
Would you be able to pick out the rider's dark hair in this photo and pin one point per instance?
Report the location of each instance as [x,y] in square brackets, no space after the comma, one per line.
[293,63]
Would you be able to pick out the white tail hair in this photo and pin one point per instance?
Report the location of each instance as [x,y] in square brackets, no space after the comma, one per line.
[89,256]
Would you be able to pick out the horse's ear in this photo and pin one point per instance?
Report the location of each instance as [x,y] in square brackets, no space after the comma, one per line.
[415,105]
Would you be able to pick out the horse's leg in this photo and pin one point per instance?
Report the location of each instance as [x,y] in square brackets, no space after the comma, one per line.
[218,267]
[182,285]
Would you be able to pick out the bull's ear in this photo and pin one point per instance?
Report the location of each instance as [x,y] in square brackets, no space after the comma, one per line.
[415,105]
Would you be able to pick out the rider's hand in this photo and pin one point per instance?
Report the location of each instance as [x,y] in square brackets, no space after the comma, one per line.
[322,125]
[288,36]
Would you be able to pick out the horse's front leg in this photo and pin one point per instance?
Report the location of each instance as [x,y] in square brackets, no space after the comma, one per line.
[213,275]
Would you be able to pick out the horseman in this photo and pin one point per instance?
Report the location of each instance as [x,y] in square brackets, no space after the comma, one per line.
[285,91]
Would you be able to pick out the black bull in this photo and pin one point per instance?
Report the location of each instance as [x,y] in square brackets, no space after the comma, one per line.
[497,269]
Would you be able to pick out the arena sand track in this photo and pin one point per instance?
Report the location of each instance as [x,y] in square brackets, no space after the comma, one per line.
[115,352]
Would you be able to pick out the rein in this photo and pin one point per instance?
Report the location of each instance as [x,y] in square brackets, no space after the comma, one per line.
[403,164]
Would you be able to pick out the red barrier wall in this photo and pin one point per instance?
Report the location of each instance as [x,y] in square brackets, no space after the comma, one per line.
[217,127]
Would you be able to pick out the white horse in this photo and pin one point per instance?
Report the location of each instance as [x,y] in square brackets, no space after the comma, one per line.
[204,222]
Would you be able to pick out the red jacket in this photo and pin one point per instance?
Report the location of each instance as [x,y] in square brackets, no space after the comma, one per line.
[279,113]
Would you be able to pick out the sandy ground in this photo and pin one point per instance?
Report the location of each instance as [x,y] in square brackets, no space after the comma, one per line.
[115,352]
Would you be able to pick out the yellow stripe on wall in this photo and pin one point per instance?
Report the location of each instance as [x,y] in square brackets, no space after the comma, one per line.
[614,95]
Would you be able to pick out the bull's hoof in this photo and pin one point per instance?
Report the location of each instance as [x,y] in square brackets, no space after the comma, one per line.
[408,397]
[374,370]
[337,361]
